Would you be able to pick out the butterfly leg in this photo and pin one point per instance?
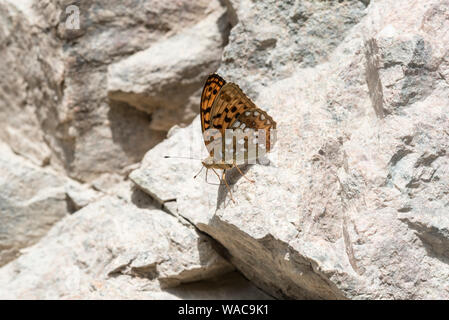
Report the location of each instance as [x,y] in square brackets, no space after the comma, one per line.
[243,175]
[223,177]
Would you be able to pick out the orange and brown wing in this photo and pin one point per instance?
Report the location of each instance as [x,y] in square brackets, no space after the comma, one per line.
[230,103]
[210,91]
[232,109]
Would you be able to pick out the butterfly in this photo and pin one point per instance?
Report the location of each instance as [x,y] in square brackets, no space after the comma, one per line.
[224,107]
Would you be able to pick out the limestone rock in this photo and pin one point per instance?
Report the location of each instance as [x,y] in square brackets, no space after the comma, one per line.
[56,109]
[112,243]
[32,72]
[166,79]
[273,39]
[32,199]
[352,205]
[104,134]
[228,286]
[356,191]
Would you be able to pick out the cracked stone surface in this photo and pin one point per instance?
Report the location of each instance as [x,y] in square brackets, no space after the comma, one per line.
[112,243]
[76,100]
[357,189]
[32,200]
[354,203]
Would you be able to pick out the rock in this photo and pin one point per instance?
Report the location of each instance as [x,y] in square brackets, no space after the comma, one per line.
[352,205]
[32,199]
[166,79]
[108,134]
[152,175]
[273,39]
[229,286]
[58,112]
[35,81]
[112,244]
[356,189]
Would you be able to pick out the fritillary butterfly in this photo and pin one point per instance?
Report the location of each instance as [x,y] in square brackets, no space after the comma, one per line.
[224,107]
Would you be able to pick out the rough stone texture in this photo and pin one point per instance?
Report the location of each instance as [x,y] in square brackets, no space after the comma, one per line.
[122,247]
[57,111]
[112,243]
[168,76]
[228,286]
[273,39]
[32,199]
[109,134]
[32,73]
[354,203]
[55,108]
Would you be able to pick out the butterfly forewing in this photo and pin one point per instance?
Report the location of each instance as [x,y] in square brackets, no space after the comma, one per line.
[210,91]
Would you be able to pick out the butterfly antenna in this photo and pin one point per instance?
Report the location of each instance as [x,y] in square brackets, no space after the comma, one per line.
[198,172]
[178,157]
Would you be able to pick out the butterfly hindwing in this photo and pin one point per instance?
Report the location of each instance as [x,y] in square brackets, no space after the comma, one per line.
[232,109]
[230,103]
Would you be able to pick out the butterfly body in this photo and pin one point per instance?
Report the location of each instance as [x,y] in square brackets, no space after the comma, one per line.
[225,110]
[211,163]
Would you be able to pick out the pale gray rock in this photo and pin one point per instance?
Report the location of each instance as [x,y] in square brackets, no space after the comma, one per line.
[152,175]
[32,72]
[112,244]
[104,134]
[352,205]
[273,39]
[228,286]
[56,109]
[165,80]
[354,202]
[32,199]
